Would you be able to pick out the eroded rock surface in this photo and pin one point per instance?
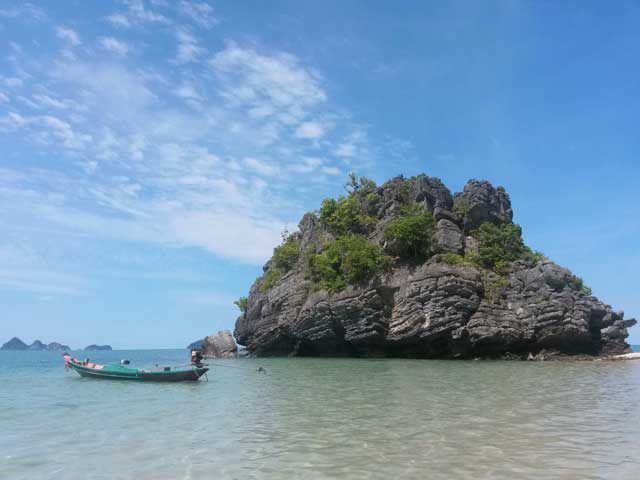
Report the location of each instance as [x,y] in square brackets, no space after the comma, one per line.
[220,345]
[433,309]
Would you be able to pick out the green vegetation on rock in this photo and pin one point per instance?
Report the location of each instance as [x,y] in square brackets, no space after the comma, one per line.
[347,260]
[351,213]
[411,233]
[499,245]
[269,279]
[457,259]
[342,216]
[285,256]
[579,285]
[492,286]
[242,304]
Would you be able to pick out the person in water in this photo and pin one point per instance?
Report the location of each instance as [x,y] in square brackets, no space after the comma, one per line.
[196,357]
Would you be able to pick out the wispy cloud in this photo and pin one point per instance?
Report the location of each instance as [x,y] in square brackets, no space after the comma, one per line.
[136,13]
[68,35]
[206,156]
[259,167]
[114,45]
[23,11]
[189,49]
[310,130]
[201,13]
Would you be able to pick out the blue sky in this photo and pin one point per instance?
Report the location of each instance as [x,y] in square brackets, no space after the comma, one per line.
[153,151]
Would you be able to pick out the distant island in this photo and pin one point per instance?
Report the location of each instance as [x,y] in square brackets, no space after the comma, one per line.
[16,344]
[407,269]
[98,347]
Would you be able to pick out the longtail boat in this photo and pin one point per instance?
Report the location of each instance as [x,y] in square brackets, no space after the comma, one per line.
[183,373]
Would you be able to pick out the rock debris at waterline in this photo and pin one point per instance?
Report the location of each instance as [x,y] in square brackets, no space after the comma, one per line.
[441,306]
[220,345]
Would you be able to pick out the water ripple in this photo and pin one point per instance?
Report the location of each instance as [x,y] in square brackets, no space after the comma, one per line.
[323,418]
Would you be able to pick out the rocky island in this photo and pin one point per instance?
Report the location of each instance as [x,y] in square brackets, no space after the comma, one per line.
[93,347]
[407,269]
[16,344]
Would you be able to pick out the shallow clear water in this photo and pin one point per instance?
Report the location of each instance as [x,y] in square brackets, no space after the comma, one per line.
[321,418]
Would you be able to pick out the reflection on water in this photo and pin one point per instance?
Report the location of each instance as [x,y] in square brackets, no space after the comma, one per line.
[322,418]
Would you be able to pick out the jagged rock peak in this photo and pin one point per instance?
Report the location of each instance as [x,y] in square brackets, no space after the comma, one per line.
[452,299]
[480,202]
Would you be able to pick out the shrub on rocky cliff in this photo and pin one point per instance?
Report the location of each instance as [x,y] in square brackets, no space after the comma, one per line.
[579,285]
[269,279]
[343,216]
[410,234]
[347,260]
[286,255]
[242,304]
[353,213]
[499,245]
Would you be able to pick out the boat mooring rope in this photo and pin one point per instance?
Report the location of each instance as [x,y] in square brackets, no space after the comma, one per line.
[257,370]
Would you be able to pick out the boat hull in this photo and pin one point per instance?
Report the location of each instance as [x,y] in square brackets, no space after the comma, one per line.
[190,375]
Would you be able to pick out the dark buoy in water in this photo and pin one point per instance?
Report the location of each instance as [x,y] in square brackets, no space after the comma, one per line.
[124,361]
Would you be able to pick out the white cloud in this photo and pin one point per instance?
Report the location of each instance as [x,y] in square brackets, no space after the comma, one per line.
[119,20]
[307,164]
[3,98]
[259,167]
[112,91]
[13,119]
[45,129]
[41,282]
[136,14]
[115,46]
[214,171]
[12,82]
[189,49]
[68,35]
[331,170]
[25,11]
[346,150]
[243,237]
[200,13]
[310,130]
[275,83]
[46,101]
[188,91]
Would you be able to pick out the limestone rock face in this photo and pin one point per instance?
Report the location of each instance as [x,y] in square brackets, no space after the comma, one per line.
[432,309]
[480,202]
[449,237]
[220,345]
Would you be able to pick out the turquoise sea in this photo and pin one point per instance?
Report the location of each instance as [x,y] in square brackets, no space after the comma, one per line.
[321,418]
